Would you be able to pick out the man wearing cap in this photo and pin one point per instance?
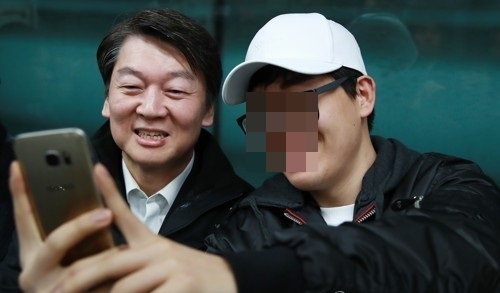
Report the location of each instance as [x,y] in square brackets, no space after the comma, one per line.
[375,216]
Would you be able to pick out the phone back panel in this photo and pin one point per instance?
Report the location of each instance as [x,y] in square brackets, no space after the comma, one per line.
[58,168]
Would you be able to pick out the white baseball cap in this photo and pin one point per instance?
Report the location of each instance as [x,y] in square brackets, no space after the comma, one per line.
[306,43]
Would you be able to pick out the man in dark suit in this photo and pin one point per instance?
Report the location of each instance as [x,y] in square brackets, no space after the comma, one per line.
[162,73]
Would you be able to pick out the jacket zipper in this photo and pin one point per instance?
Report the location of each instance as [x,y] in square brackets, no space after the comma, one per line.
[366,214]
[369,212]
[294,217]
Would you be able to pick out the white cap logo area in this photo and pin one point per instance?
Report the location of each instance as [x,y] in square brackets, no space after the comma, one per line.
[305,43]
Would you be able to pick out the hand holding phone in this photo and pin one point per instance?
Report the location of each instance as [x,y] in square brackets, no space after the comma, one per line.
[57,166]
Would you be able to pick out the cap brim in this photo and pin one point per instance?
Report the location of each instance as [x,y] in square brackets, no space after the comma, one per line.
[236,83]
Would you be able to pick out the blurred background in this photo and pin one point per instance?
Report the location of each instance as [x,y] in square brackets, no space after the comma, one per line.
[436,64]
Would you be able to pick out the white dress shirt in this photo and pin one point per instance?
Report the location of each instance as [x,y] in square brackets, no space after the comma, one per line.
[152,210]
[338,215]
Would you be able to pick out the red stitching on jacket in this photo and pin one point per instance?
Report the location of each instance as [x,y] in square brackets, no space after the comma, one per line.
[294,217]
[370,211]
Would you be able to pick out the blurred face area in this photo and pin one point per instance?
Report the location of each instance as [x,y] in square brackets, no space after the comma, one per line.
[344,150]
[156,106]
[284,125]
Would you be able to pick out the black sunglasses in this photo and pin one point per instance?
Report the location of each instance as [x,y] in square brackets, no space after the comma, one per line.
[242,120]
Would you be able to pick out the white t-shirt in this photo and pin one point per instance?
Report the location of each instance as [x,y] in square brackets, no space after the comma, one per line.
[152,210]
[338,215]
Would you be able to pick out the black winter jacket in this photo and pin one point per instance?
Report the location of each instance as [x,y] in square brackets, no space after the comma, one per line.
[422,223]
[203,201]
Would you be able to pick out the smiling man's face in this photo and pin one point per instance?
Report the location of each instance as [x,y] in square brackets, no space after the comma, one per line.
[156,105]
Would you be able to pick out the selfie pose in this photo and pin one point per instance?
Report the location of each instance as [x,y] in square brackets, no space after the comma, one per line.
[162,73]
[376,216]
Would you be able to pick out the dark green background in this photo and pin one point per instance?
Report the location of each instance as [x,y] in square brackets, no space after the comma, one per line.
[436,64]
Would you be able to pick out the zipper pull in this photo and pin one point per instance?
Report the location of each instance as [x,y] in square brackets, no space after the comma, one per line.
[401,204]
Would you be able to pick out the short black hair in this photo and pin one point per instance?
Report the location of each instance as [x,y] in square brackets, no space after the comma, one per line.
[170,26]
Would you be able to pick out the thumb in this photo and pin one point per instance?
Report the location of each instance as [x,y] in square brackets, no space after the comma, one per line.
[129,225]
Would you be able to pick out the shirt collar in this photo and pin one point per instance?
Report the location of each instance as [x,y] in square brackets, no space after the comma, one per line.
[169,191]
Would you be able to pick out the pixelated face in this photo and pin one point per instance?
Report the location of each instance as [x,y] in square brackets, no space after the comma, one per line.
[276,126]
[285,126]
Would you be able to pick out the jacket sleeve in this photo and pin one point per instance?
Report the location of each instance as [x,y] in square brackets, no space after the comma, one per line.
[243,229]
[270,270]
[448,242]
[243,240]
[10,268]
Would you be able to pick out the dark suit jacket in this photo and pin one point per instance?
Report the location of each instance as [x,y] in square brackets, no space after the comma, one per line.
[204,199]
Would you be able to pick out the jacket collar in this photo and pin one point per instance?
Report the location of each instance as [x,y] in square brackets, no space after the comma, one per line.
[392,162]
[277,191]
[210,183]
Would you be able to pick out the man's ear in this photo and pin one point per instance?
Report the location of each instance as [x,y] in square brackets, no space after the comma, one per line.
[208,119]
[365,95]
[105,109]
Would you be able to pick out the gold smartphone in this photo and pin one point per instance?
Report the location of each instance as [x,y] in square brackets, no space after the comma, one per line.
[58,168]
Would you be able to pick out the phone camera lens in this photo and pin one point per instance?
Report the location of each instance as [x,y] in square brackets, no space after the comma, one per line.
[52,158]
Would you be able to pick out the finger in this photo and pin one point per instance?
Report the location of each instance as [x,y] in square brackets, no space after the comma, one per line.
[70,233]
[144,280]
[102,268]
[26,226]
[182,284]
[103,288]
[133,230]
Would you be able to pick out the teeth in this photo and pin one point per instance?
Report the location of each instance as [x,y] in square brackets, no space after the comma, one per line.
[151,135]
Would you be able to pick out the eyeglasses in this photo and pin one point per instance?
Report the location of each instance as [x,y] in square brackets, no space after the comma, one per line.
[242,120]
[329,86]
